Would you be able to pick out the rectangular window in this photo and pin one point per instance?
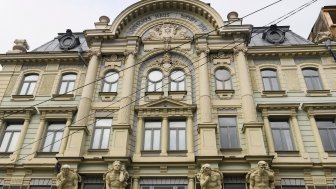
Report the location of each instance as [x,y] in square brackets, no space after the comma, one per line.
[292,183]
[152,135]
[93,182]
[40,184]
[234,182]
[53,138]
[228,132]
[327,130]
[177,135]
[10,137]
[101,134]
[282,136]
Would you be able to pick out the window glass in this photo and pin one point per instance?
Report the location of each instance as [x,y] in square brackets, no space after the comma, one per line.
[110,82]
[177,135]
[177,81]
[155,81]
[282,136]
[223,79]
[228,132]
[152,135]
[312,79]
[67,83]
[28,84]
[327,130]
[10,137]
[101,134]
[270,80]
[53,138]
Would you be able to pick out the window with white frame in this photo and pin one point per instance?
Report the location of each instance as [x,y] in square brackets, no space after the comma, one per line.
[270,80]
[10,137]
[228,132]
[67,83]
[53,137]
[101,133]
[281,133]
[327,130]
[312,79]
[110,82]
[177,80]
[155,78]
[223,79]
[152,135]
[28,84]
[177,135]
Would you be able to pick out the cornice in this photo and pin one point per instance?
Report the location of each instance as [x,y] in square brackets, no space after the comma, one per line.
[281,106]
[300,50]
[34,57]
[323,106]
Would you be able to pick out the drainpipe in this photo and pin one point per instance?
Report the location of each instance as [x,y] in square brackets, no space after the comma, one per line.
[328,45]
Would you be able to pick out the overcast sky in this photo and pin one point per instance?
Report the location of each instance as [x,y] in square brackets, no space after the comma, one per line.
[39,21]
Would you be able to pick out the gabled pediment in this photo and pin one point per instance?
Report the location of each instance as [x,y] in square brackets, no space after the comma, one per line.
[165,103]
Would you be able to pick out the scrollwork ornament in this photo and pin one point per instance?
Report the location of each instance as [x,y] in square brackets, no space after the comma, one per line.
[202,50]
[94,53]
[238,49]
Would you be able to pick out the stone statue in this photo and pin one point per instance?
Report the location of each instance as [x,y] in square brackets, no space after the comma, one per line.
[209,179]
[116,178]
[261,177]
[67,178]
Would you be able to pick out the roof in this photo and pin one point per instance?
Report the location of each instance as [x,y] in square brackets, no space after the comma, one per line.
[54,45]
[290,38]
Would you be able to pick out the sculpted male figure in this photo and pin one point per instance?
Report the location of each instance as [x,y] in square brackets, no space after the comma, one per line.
[116,178]
[67,178]
[210,179]
[261,177]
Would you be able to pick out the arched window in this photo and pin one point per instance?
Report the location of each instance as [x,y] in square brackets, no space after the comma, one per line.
[270,80]
[155,81]
[110,82]
[223,79]
[67,83]
[28,84]
[177,81]
[312,79]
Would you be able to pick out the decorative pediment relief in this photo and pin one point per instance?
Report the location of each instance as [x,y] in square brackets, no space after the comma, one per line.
[166,106]
[167,32]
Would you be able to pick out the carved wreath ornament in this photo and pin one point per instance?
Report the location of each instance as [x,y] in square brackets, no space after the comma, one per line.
[167,32]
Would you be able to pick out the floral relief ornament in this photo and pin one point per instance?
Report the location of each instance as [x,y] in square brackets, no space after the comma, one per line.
[167,32]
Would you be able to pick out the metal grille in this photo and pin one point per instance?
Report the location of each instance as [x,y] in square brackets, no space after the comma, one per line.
[41,182]
[164,181]
[292,182]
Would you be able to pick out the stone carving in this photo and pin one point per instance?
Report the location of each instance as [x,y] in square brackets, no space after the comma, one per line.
[68,41]
[116,178]
[209,178]
[322,37]
[167,32]
[21,46]
[67,178]
[261,177]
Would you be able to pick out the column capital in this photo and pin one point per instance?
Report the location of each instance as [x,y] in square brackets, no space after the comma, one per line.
[202,50]
[131,52]
[94,52]
[240,48]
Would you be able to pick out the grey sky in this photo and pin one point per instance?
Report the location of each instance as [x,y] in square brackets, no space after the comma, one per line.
[39,21]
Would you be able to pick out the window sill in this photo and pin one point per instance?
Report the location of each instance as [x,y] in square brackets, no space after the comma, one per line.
[108,96]
[155,95]
[63,96]
[280,93]
[22,97]
[46,154]
[331,153]
[318,92]
[288,153]
[5,154]
[177,95]
[231,149]
[98,150]
[225,94]
[177,152]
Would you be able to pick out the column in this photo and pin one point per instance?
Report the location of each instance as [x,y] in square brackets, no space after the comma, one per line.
[139,136]
[190,135]
[23,133]
[164,136]
[124,112]
[191,183]
[246,92]
[298,136]
[317,137]
[77,132]
[135,184]
[204,87]
[65,135]
[269,138]
[39,136]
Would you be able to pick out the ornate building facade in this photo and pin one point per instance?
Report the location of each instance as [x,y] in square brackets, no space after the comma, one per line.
[165,88]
